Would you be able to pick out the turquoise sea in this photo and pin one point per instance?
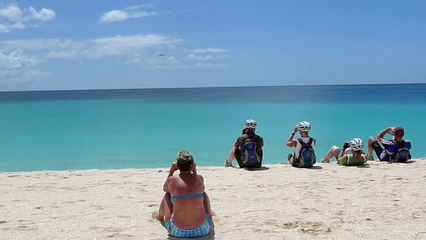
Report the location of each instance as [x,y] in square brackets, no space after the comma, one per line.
[145,128]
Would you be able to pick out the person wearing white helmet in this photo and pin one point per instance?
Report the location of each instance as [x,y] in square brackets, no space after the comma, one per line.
[304,147]
[247,149]
[351,153]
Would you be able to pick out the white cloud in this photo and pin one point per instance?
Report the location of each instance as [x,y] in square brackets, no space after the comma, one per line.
[16,60]
[42,15]
[209,50]
[11,13]
[209,65]
[200,57]
[114,16]
[41,44]
[127,13]
[117,45]
[5,28]
[19,58]
[137,49]
[163,62]
[12,17]
[208,54]
[129,45]
[16,66]
[62,54]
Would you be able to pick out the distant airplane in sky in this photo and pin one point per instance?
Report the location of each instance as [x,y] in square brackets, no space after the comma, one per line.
[162,54]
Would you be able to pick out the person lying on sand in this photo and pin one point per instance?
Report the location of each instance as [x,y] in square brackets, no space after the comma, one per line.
[351,153]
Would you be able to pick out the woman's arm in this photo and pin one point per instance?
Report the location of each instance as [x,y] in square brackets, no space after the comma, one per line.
[172,170]
[343,151]
[343,159]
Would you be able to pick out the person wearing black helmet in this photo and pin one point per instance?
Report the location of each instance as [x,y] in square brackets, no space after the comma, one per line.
[247,149]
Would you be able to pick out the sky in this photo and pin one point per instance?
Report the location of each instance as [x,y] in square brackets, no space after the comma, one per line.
[97,44]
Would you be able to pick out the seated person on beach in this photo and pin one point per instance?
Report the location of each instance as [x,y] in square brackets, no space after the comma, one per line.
[185,209]
[395,150]
[247,149]
[350,155]
[304,147]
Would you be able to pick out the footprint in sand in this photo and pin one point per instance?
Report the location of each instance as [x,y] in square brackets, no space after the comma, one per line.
[120,236]
[97,207]
[26,225]
[312,228]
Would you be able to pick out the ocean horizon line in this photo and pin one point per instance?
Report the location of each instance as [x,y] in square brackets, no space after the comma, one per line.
[233,94]
[208,87]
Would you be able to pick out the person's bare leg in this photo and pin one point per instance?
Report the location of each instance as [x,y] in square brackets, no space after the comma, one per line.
[207,207]
[168,207]
[370,148]
[330,154]
[165,211]
[231,157]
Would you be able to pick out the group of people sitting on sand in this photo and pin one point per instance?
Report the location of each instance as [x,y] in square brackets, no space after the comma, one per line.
[248,153]
[185,208]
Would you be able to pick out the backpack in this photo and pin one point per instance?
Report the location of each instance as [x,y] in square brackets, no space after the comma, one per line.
[402,154]
[307,156]
[251,157]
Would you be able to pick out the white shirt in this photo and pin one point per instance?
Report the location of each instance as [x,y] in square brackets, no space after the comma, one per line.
[299,146]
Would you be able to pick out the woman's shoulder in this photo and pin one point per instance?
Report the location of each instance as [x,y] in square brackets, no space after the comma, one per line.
[199,176]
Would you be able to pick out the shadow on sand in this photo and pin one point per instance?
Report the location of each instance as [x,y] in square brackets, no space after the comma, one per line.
[257,169]
[409,161]
[208,237]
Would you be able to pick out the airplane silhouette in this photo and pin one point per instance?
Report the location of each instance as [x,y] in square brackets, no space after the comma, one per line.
[162,54]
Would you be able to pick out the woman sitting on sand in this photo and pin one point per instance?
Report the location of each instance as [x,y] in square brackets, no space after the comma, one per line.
[185,209]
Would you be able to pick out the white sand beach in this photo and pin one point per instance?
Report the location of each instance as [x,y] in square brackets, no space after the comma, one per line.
[378,201]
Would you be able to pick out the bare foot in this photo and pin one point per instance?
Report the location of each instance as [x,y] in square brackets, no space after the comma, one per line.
[157,216]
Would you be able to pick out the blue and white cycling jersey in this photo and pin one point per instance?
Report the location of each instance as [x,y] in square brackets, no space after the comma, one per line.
[391,148]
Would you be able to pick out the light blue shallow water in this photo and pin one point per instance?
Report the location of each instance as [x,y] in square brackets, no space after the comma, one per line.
[146,128]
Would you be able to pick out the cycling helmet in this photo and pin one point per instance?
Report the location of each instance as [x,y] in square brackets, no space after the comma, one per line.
[356,144]
[250,123]
[304,126]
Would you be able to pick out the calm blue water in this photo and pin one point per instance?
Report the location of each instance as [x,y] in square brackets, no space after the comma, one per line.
[113,129]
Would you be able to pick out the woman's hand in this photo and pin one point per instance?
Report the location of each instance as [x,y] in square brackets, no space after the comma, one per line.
[173,169]
[194,168]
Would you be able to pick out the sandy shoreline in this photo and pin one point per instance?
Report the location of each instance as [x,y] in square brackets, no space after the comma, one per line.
[379,201]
